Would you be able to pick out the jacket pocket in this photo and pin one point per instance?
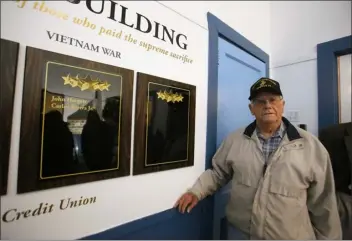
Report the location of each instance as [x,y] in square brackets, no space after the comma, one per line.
[243,180]
[285,190]
[285,212]
[290,194]
[242,174]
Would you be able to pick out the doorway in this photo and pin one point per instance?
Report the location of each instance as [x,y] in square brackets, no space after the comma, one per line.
[334,82]
[234,65]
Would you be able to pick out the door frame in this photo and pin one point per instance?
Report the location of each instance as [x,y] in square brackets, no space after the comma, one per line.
[327,53]
[217,29]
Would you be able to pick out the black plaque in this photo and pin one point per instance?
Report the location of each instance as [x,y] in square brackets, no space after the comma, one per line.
[76,121]
[165,123]
[9,55]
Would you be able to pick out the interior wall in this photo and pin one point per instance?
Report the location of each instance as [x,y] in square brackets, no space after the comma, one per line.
[296,29]
[251,19]
[119,200]
[287,31]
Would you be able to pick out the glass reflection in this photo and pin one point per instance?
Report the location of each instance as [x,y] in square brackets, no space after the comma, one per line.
[80,126]
[167,131]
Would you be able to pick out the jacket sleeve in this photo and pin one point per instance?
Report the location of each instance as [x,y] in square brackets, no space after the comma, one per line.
[217,176]
[322,204]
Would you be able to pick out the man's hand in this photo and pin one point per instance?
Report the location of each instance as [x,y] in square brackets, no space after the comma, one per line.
[186,201]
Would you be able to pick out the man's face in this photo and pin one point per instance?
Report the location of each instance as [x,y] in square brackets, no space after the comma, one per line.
[267,108]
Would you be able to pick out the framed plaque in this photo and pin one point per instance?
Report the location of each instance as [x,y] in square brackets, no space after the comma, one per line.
[9,56]
[164,126]
[76,121]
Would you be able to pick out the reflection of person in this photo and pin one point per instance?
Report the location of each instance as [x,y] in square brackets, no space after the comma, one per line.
[282,180]
[175,147]
[96,143]
[338,141]
[57,146]
[111,116]
[167,130]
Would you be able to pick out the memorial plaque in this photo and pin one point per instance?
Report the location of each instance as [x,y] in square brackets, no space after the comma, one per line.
[165,123]
[76,121]
[9,55]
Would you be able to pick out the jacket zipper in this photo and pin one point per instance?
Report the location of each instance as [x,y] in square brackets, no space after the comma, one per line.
[270,157]
[265,164]
[264,169]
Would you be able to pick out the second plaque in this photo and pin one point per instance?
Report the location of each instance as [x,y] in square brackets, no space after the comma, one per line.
[164,125]
[9,56]
[76,121]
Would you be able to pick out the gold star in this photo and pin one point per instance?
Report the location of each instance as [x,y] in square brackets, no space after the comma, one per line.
[160,95]
[73,82]
[169,98]
[106,86]
[67,79]
[84,86]
[95,85]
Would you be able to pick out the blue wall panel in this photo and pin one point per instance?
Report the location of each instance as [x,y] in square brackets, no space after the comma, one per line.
[167,225]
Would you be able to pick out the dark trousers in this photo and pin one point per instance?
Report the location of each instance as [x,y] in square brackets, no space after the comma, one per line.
[344,203]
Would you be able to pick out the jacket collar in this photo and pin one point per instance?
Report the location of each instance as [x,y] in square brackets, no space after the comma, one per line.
[292,132]
[279,133]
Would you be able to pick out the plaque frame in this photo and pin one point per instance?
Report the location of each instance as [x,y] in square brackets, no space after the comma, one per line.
[141,118]
[29,170]
[9,58]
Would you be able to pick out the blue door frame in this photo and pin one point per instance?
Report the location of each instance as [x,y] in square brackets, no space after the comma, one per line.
[328,109]
[217,29]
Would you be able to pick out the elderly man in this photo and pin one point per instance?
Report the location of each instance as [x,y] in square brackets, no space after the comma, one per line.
[281,176]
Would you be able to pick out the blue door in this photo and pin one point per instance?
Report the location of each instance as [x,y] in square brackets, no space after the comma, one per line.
[237,71]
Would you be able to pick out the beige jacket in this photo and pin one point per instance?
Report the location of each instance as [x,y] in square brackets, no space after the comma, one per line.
[292,198]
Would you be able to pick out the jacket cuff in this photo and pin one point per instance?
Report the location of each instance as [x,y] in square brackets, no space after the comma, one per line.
[198,194]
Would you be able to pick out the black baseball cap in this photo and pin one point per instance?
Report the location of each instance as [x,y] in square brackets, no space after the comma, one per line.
[264,85]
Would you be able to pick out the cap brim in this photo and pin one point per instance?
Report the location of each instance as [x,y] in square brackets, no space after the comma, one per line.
[265,89]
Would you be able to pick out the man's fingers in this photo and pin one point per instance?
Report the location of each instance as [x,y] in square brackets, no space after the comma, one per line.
[186,202]
[184,205]
[179,201]
[194,202]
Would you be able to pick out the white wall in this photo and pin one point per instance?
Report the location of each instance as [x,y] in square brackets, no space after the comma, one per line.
[296,29]
[122,199]
[125,199]
[251,19]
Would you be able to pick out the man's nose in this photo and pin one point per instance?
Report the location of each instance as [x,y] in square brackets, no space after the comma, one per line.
[267,104]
